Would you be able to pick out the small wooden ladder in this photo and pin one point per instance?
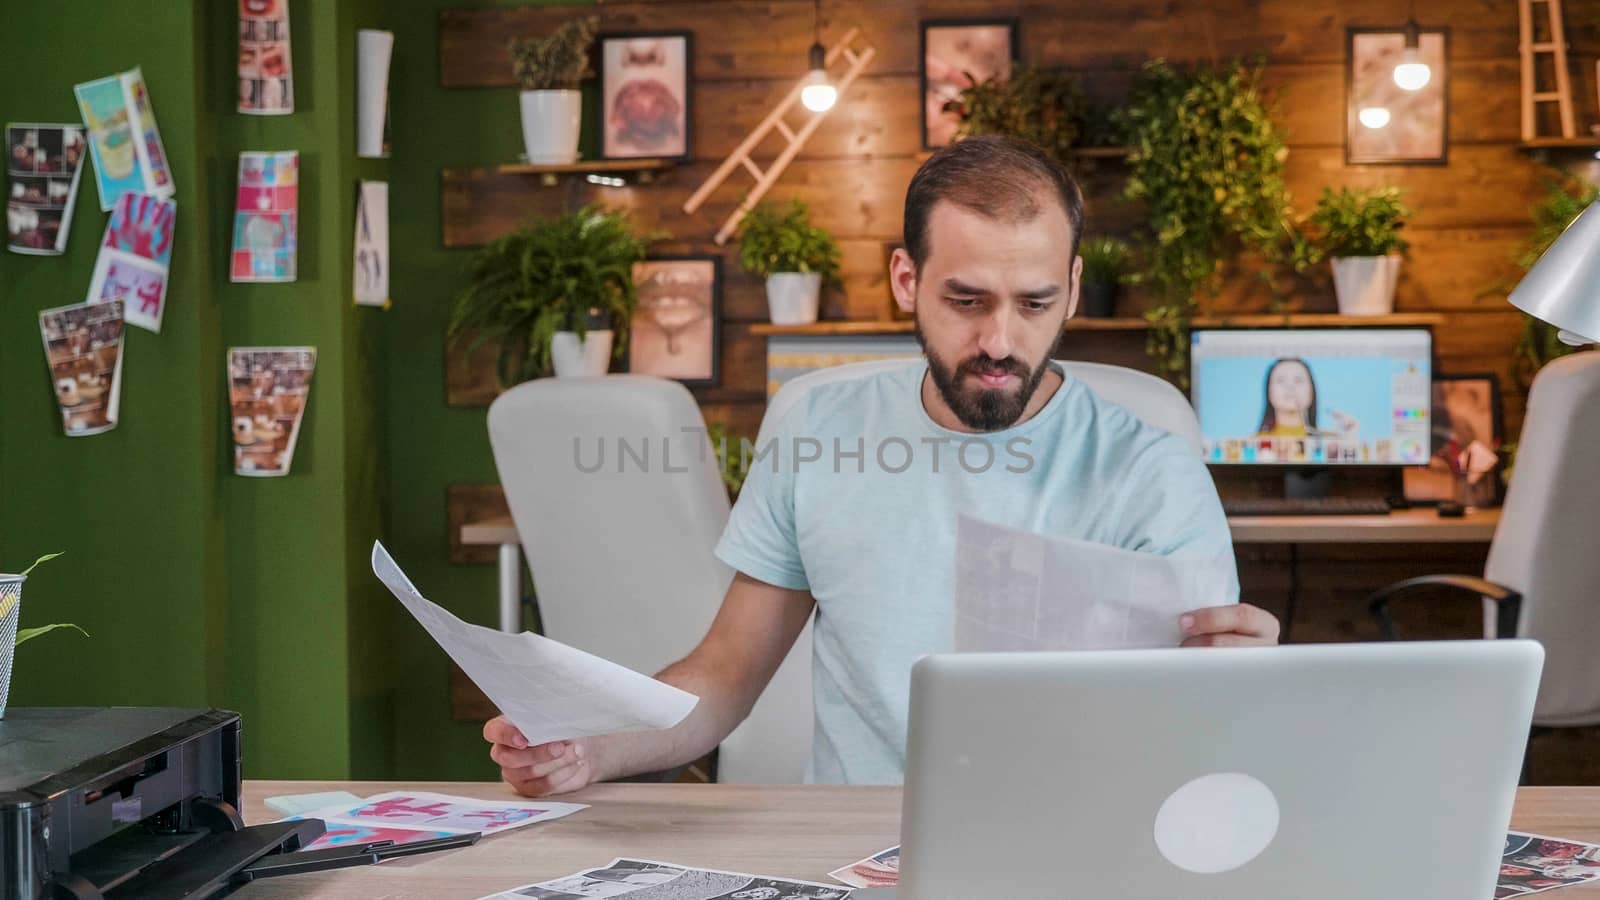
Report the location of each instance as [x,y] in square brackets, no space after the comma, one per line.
[1531,95]
[855,60]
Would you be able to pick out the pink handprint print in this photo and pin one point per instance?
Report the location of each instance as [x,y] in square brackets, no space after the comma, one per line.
[142,225]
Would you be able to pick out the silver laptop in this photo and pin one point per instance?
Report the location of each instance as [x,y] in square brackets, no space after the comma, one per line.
[1332,771]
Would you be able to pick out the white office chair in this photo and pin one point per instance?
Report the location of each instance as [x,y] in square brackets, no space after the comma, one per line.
[779,731]
[1543,572]
[622,560]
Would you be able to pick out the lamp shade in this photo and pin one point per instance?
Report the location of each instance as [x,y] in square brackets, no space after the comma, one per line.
[1563,287]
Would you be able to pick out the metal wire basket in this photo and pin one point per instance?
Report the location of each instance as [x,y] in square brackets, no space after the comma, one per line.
[11,602]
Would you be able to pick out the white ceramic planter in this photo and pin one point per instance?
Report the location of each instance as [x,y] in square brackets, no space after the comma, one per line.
[550,125]
[586,358]
[792,297]
[1365,284]
[10,596]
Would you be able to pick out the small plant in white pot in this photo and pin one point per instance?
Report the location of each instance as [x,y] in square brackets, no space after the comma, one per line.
[1360,231]
[794,256]
[549,70]
[556,293]
[11,636]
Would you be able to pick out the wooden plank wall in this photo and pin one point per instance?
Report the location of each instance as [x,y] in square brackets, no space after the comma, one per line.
[1472,214]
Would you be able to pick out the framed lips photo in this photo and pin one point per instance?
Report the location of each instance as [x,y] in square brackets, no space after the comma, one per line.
[644,88]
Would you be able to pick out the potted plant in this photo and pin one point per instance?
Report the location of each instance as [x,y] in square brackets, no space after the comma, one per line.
[549,70]
[1105,265]
[12,637]
[793,255]
[1361,232]
[554,293]
[1046,107]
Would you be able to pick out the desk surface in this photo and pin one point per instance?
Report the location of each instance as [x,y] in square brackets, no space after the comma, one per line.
[1410,525]
[800,832]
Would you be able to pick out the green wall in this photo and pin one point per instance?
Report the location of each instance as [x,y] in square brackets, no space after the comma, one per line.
[430,444]
[199,586]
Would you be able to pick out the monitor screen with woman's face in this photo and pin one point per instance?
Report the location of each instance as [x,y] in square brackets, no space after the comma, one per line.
[1313,396]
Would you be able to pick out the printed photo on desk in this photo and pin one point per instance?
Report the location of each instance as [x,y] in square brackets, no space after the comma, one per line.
[420,815]
[643,879]
[43,163]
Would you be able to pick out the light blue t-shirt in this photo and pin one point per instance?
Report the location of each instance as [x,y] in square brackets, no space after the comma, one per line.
[857,502]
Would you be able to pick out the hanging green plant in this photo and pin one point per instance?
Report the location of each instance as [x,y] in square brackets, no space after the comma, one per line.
[1046,107]
[1207,160]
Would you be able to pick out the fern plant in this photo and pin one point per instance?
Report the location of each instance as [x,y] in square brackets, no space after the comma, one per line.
[773,241]
[570,273]
[557,62]
[1356,223]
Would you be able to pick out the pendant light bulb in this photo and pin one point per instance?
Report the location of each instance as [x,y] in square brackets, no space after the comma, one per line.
[1412,74]
[818,95]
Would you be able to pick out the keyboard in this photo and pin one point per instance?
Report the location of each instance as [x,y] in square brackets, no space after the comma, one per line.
[1307,506]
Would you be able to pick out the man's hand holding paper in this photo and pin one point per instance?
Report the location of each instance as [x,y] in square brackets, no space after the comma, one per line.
[1019,591]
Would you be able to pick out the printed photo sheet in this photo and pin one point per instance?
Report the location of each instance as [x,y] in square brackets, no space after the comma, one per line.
[881,869]
[123,140]
[407,816]
[42,167]
[134,258]
[265,225]
[550,691]
[1018,591]
[267,389]
[1534,863]
[83,347]
[372,245]
[266,82]
[643,879]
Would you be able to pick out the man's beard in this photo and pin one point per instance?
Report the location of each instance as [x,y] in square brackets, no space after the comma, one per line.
[980,408]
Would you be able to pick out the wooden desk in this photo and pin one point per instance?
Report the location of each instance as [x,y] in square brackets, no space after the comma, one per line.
[799,832]
[1405,526]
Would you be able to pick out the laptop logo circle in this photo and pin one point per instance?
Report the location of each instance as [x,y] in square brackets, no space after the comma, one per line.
[1216,823]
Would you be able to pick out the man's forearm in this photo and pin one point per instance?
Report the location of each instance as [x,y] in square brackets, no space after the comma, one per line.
[723,705]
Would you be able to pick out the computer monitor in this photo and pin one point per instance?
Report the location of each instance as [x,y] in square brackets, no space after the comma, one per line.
[1313,396]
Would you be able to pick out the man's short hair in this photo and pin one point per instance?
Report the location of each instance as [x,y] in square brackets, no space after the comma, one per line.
[997,177]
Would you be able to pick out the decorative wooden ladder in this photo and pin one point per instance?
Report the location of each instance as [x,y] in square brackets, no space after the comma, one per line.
[855,61]
[1531,95]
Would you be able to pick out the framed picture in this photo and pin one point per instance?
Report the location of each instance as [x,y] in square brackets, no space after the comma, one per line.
[955,55]
[644,93]
[675,331]
[1467,433]
[1385,123]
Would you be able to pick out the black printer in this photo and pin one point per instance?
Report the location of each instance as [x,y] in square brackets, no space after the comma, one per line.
[126,802]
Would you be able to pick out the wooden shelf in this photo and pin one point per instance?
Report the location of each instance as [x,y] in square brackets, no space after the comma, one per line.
[1584,142]
[1251,320]
[1080,153]
[640,170]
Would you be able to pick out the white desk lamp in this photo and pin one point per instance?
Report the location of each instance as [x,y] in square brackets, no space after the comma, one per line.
[1563,287]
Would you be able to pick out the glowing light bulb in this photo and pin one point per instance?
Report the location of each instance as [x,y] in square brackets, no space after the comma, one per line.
[1374,117]
[1413,75]
[820,95]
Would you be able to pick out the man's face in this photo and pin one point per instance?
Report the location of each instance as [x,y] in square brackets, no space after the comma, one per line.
[989,305]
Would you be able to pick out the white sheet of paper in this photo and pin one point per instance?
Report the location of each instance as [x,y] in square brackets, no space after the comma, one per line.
[550,691]
[1017,590]
[300,804]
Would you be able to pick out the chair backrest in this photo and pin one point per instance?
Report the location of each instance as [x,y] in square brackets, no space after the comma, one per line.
[623,560]
[779,731]
[1546,546]
[621,557]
